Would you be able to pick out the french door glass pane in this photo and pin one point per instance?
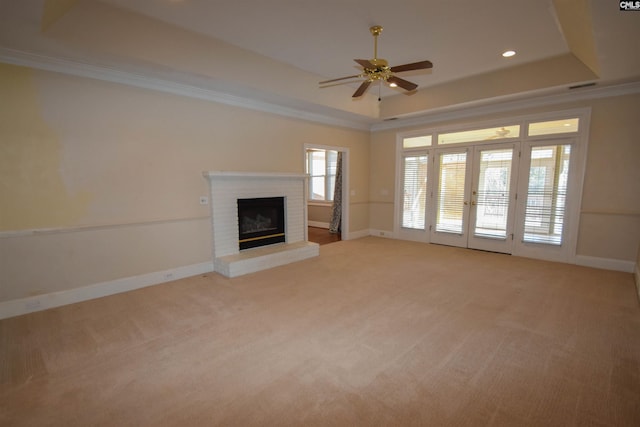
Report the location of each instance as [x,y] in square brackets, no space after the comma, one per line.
[451,192]
[547,192]
[492,198]
[415,190]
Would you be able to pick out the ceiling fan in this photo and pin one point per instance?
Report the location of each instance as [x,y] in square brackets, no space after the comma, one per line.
[377,69]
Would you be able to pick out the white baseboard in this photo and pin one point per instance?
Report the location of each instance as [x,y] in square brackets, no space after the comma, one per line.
[357,234]
[381,233]
[370,232]
[21,306]
[56,299]
[605,263]
[318,224]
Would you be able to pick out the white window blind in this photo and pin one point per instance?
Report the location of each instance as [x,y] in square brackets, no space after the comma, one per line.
[321,166]
[547,193]
[451,184]
[492,197]
[414,192]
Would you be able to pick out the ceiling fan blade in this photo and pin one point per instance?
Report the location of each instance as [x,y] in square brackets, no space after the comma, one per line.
[341,78]
[404,84]
[422,65]
[365,63]
[363,87]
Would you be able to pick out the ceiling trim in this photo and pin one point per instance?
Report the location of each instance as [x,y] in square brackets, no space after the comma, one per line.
[99,72]
[488,106]
[502,105]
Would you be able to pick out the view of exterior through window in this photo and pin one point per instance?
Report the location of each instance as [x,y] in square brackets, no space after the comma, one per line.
[548,175]
[321,167]
[493,192]
[415,192]
[461,187]
[451,187]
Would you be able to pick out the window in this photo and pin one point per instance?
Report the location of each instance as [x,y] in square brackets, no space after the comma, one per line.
[321,167]
[494,179]
[451,185]
[512,186]
[416,141]
[487,134]
[548,176]
[554,127]
[414,191]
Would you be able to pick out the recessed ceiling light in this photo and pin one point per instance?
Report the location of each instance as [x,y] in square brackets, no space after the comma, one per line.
[508,53]
[393,84]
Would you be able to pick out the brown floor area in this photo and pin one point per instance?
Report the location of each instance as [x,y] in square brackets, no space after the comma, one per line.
[322,236]
[373,332]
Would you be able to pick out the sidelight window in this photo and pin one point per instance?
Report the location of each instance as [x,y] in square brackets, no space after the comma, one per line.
[547,194]
[414,191]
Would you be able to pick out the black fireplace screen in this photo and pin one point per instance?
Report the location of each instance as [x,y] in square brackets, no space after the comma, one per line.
[260,222]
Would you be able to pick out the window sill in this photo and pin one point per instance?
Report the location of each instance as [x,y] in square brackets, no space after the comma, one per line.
[318,203]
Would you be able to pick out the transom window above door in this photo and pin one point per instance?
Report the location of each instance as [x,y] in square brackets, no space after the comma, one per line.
[506,132]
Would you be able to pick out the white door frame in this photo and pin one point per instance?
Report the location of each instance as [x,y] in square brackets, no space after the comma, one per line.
[486,243]
[567,253]
[344,226]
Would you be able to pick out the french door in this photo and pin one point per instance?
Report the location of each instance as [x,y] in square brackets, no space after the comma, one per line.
[474,196]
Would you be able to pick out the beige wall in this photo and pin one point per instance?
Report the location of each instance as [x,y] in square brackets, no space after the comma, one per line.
[319,213]
[610,220]
[101,181]
[113,174]
[610,212]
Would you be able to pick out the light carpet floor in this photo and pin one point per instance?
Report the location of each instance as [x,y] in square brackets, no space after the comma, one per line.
[373,332]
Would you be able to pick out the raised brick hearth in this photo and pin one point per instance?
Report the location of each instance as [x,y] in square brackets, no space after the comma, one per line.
[226,189]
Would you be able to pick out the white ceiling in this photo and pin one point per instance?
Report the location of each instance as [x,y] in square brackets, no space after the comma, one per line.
[326,36]
[321,39]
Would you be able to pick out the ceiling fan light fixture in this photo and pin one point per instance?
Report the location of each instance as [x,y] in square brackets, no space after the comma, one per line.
[378,70]
[508,53]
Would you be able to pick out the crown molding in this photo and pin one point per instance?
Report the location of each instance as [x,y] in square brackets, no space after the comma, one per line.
[473,109]
[105,73]
[499,105]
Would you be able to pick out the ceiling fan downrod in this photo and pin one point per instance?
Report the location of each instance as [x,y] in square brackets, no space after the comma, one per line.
[376,30]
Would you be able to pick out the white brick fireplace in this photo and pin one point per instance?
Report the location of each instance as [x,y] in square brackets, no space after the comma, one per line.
[226,189]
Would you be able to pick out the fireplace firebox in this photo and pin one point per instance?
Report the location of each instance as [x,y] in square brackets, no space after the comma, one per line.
[260,222]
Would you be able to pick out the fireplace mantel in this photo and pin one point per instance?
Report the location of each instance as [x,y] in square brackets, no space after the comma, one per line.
[229,186]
